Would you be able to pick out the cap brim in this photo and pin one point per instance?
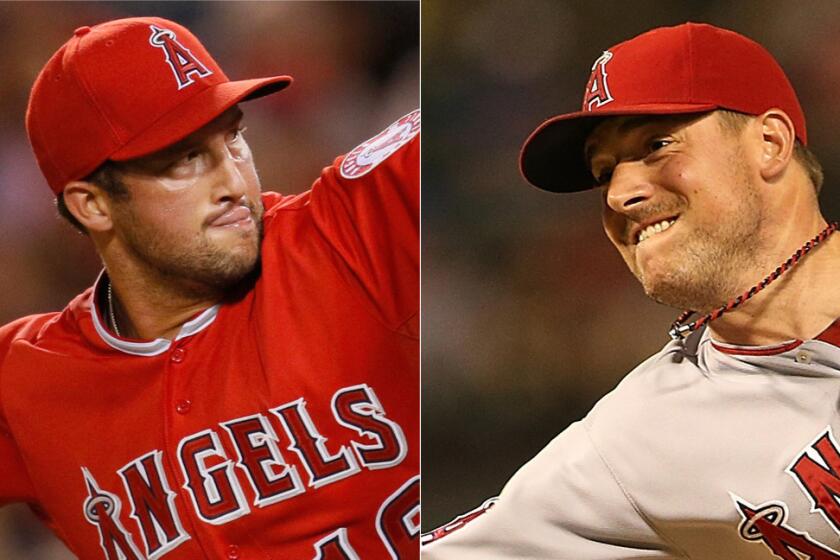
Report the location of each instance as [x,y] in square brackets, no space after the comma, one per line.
[552,157]
[196,112]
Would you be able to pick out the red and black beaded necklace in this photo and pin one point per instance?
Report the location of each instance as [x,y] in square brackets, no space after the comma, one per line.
[680,329]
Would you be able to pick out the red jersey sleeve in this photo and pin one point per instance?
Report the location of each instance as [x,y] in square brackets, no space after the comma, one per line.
[15,485]
[367,207]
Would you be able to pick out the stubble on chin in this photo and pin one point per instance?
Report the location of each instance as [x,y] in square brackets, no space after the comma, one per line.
[197,265]
[710,267]
[701,278]
[222,269]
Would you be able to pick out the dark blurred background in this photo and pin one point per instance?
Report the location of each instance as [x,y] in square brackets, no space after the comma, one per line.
[529,315]
[356,69]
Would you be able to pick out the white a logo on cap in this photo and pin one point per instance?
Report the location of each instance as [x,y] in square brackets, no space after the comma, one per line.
[182,62]
[597,92]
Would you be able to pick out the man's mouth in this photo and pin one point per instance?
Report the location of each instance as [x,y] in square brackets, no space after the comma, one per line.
[654,229]
[237,216]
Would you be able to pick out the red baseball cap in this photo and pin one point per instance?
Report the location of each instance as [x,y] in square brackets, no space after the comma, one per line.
[689,68]
[124,89]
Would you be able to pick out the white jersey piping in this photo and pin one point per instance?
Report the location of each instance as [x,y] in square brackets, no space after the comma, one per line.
[152,347]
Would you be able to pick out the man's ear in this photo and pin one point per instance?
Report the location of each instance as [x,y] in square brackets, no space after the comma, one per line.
[89,204]
[778,138]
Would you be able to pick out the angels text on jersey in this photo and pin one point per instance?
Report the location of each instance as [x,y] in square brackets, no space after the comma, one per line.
[212,488]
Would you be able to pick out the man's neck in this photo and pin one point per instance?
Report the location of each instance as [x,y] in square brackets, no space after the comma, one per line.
[147,307]
[800,304]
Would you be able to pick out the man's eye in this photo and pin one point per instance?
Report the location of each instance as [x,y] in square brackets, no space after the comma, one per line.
[190,156]
[658,144]
[185,159]
[238,133]
[603,177]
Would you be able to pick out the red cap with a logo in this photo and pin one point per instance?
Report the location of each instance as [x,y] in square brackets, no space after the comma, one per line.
[690,68]
[124,89]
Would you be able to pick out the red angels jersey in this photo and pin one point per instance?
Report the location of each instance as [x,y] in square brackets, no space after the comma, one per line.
[282,424]
[706,451]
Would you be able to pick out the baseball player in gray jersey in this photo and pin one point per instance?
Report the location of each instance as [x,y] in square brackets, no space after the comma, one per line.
[722,445]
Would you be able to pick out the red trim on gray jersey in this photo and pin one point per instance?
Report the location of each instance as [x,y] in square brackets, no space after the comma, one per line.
[758,350]
[830,335]
[458,522]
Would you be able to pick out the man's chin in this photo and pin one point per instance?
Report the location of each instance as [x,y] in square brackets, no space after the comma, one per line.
[236,285]
[696,296]
[235,272]
[237,264]
[216,276]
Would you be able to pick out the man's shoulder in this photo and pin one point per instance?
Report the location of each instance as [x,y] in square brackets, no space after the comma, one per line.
[24,328]
[665,416]
[674,354]
[40,328]
[27,330]
[274,201]
[660,387]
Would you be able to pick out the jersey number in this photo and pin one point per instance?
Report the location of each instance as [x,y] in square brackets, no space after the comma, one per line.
[397,522]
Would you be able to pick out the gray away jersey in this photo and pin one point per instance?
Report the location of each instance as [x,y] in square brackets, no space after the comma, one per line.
[705,451]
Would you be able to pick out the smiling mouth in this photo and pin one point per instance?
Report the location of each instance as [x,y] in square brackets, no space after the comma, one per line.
[654,229]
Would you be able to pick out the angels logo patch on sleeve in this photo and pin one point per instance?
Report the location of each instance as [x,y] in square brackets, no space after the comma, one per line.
[367,155]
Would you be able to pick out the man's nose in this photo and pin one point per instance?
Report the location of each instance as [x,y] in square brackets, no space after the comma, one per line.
[629,186]
[230,183]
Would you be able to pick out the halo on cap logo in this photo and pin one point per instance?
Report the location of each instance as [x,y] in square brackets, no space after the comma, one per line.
[371,153]
[182,62]
[597,92]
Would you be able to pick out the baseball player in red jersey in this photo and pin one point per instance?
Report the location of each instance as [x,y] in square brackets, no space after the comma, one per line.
[723,445]
[242,379]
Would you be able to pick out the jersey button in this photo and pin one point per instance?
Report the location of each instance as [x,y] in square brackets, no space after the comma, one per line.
[178,355]
[183,406]
[233,552]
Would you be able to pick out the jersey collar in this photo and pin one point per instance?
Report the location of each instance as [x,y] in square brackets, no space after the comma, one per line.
[819,356]
[145,348]
[831,335]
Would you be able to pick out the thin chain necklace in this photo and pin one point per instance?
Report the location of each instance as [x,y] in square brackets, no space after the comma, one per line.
[680,329]
[111,310]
